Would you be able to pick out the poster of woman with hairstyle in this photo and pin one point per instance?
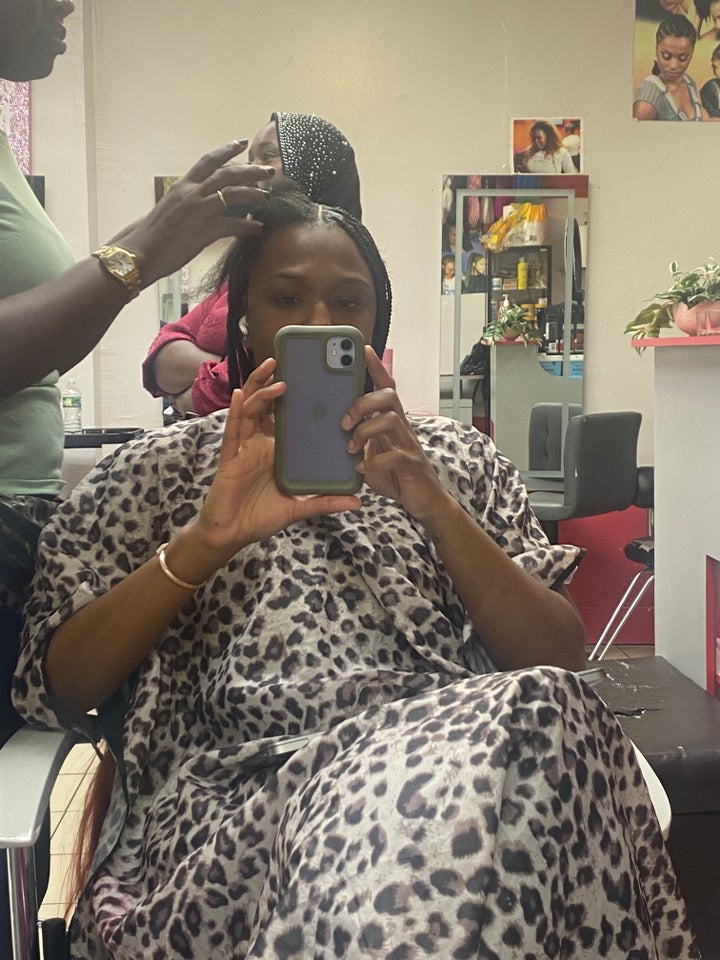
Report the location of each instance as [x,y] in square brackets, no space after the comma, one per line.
[674,59]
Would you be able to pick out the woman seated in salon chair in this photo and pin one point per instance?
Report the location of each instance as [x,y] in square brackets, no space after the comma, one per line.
[444,808]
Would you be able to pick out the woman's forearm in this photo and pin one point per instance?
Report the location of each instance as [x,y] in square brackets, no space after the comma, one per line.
[92,654]
[521,621]
[177,365]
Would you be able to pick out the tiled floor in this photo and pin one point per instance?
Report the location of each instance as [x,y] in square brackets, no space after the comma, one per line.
[67,801]
[627,652]
[66,805]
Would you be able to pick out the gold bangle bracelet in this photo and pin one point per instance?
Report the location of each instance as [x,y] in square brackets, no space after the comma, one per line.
[160,553]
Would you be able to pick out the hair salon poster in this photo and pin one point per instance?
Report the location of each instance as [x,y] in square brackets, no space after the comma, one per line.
[477,216]
[676,65]
[15,120]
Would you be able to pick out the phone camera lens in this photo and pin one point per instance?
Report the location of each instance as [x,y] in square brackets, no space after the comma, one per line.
[346,359]
[346,344]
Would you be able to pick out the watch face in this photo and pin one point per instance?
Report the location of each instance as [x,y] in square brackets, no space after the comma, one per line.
[121,263]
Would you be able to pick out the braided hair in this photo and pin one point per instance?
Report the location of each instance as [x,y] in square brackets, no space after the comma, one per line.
[676,25]
[702,9]
[279,213]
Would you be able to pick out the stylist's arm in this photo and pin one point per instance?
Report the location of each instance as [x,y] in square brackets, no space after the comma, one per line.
[54,325]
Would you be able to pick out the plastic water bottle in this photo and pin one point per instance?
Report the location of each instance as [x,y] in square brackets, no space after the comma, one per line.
[71,407]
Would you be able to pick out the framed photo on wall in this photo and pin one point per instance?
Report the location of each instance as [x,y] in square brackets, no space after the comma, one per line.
[547,145]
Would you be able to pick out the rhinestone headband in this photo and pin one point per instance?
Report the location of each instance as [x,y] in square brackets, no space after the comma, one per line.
[320,159]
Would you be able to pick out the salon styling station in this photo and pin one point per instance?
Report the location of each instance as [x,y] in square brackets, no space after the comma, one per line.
[677,725]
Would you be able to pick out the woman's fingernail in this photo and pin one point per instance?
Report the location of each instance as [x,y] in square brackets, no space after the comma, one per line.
[243,142]
[346,422]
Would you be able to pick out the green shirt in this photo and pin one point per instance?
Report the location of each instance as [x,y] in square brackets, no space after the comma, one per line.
[32,251]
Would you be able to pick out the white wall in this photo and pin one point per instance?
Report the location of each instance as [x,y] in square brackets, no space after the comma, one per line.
[687,525]
[421,88]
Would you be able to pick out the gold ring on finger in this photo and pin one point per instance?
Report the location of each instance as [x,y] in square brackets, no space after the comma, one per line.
[222,198]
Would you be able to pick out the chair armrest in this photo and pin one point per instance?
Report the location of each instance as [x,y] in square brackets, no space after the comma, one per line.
[537,483]
[29,764]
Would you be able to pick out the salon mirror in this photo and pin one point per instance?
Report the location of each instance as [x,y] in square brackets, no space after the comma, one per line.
[540,264]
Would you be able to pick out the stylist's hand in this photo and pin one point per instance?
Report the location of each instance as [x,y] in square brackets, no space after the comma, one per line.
[244,504]
[192,215]
[394,464]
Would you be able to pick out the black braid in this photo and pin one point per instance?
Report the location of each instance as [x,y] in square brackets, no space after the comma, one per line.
[280,213]
[702,9]
[237,265]
[371,255]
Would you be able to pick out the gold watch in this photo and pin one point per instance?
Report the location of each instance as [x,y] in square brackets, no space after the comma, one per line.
[121,264]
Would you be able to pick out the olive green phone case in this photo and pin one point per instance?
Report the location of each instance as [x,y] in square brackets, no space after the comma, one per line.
[324,369]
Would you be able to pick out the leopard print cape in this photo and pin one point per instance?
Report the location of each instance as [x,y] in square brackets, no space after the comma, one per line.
[447,810]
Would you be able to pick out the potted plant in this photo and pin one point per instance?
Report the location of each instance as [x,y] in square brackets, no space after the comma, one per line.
[512,323]
[678,303]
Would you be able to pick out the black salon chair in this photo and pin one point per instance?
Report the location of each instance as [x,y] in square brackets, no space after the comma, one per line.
[599,470]
[545,435]
[640,550]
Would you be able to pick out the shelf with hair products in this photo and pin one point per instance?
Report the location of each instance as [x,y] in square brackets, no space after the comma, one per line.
[547,278]
[523,275]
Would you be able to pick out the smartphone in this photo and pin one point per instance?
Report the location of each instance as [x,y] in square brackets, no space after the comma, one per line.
[324,369]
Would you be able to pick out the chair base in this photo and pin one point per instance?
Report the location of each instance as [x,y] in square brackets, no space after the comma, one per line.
[616,622]
[23,903]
